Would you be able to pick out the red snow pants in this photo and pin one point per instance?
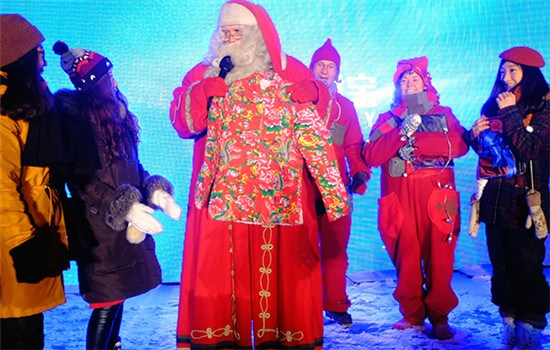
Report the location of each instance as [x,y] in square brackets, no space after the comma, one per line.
[419,222]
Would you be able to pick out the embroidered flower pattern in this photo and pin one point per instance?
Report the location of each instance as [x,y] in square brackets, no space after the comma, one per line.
[257,144]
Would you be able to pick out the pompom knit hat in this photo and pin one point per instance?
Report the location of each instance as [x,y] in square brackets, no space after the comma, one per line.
[84,67]
[327,52]
[17,38]
[523,55]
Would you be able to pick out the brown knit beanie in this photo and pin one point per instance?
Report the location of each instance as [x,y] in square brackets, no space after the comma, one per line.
[17,38]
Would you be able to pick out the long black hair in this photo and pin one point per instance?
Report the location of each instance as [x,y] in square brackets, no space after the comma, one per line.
[27,96]
[108,110]
[532,87]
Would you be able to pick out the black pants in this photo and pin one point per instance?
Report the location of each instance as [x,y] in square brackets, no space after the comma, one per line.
[103,327]
[23,332]
[518,285]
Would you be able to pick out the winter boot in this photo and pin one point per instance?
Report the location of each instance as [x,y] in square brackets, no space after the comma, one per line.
[343,318]
[530,338]
[118,345]
[509,334]
[442,330]
[405,323]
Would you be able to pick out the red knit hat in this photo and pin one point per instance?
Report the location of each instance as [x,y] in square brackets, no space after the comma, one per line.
[523,55]
[266,25]
[83,66]
[327,52]
[418,65]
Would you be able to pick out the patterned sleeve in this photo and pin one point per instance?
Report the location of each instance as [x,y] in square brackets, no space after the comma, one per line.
[212,158]
[527,143]
[313,141]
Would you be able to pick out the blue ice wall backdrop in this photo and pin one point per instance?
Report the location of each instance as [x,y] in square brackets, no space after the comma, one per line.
[152,44]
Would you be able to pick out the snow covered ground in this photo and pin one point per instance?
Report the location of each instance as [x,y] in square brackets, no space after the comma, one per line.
[149,321]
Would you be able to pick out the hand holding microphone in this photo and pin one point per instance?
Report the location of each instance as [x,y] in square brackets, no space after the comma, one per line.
[219,87]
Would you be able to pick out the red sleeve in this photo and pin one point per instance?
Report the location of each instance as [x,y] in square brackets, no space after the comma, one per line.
[436,144]
[353,140]
[379,151]
[188,115]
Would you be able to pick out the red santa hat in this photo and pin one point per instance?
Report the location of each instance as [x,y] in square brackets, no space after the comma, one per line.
[244,12]
[232,14]
[523,55]
[327,52]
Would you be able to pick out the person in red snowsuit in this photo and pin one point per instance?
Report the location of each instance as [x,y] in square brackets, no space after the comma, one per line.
[246,285]
[415,143]
[348,140]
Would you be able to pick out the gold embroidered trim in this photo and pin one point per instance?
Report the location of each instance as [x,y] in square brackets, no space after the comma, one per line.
[266,270]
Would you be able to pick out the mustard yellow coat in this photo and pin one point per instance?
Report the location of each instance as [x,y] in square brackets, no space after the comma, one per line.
[24,196]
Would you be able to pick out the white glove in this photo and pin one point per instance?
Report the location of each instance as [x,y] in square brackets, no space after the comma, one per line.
[140,217]
[166,203]
[133,235]
[410,124]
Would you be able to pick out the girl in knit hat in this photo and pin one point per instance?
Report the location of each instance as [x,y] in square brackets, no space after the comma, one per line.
[419,218]
[33,243]
[109,217]
[514,205]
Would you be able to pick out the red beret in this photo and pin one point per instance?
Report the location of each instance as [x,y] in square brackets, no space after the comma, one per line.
[523,55]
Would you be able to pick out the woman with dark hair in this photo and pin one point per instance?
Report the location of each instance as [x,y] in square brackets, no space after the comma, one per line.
[33,243]
[512,138]
[114,250]
[415,143]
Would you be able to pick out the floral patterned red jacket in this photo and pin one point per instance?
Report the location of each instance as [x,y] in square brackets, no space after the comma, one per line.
[257,144]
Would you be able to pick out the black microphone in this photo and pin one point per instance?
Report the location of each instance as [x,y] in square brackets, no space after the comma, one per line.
[225,67]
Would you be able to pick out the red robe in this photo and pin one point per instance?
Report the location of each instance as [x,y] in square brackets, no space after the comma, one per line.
[222,284]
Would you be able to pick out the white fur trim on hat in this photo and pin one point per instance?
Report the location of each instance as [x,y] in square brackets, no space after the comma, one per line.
[232,14]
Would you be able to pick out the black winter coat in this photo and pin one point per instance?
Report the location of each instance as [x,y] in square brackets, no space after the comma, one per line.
[109,267]
[503,202]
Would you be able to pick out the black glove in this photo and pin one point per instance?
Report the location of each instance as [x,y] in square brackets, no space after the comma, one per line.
[41,256]
[358,179]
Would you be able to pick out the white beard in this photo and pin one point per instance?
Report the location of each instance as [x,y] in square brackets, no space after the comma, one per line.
[248,55]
